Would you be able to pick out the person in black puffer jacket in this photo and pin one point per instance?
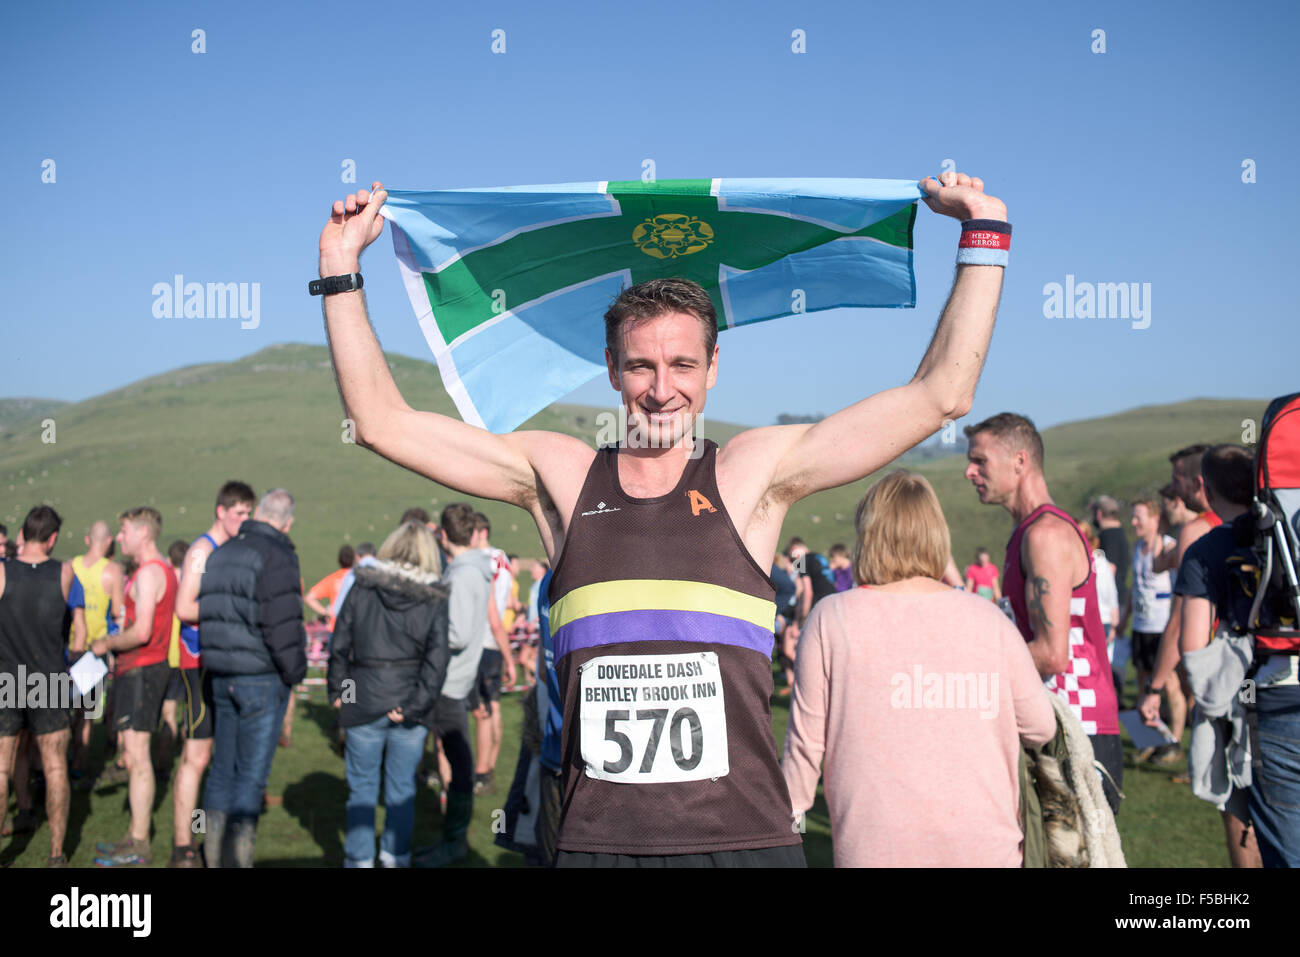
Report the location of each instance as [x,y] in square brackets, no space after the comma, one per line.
[388,658]
[254,647]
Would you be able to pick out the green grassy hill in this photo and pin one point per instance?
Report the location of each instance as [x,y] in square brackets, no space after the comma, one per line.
[274,418]
[16,414]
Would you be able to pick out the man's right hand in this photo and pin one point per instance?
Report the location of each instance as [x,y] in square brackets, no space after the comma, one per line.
[1150,708]
[354,224]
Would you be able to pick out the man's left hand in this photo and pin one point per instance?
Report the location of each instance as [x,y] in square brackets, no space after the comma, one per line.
[961,197]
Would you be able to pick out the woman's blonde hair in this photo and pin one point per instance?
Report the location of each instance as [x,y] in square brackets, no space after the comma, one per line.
[901,531]
[412,545]
[1089,533]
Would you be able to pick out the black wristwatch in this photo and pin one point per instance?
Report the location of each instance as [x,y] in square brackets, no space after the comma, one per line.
[1150,690]
[332,284]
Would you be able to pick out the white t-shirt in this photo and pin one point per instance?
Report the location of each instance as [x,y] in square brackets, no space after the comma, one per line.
[1151,591]
[1107,594]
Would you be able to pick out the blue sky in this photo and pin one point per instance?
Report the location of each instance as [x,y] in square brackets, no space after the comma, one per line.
[1123,166]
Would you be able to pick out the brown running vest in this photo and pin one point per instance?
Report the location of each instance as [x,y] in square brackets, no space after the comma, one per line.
[662,628]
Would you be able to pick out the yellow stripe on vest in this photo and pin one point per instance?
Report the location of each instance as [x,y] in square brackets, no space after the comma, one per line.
[653,594]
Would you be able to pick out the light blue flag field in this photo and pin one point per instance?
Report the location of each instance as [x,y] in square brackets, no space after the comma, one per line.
[511,285]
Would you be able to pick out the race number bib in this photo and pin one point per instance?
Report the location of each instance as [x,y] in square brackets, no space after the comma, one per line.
[653,719]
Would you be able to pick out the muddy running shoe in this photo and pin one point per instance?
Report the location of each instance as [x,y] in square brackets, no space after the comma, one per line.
[113,774]
[60,861]
[1169,754]
[187,856]
[126,853]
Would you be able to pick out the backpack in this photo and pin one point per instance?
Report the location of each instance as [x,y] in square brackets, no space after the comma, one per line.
[1273,531]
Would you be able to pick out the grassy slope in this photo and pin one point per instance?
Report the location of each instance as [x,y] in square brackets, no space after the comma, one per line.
[274,418]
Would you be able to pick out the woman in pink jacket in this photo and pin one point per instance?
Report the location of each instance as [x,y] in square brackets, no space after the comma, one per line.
[917,696]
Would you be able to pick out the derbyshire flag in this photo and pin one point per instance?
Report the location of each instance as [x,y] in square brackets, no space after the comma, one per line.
[511,285]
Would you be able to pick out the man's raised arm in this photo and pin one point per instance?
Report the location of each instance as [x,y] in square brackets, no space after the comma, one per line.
[856,441]
[460,456]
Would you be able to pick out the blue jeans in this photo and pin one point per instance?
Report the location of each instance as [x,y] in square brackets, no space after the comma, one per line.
[398,748]
[247,710]
[1275,790]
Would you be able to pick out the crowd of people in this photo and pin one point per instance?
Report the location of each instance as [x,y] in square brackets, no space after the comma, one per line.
[406,653]
[1063,581]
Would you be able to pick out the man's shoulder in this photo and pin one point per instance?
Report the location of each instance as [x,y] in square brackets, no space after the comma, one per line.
[1050,529]
[1214,544]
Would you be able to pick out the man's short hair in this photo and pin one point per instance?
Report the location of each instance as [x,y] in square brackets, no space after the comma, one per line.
[145,517]
[457,523]
[790,545]
[347,556]
[1188,460]
[1150,504]
[365,549]
[176,552]
[276,505]
[40,523]
[1229,472]
[1169,491]
[656,297]
[1108,507]
[838,550]
[235,493]
[1015,430]
[416,514]
[4,530]
[983,551]
[481,523]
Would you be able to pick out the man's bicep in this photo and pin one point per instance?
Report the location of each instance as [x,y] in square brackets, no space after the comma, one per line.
[460,456]
[1197,618]
[1046,562]
[856,441]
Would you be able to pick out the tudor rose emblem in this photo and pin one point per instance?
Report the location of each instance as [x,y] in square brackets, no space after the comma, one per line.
[670,235]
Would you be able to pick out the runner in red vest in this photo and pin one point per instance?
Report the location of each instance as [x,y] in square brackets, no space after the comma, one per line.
[1049,581]
[141,674]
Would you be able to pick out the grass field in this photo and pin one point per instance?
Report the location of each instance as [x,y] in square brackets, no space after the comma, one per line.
[1161,824]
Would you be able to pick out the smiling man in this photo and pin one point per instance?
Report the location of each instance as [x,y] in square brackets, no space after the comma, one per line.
[661,607]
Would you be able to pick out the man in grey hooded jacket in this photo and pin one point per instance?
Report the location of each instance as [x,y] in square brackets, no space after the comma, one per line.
[469,575]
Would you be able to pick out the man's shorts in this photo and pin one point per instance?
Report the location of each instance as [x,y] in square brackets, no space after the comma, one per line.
[35,720]
[1145,646]
[449,716]
[137,701]
[1107,749]
[196,684]
[175,686]
[489,676]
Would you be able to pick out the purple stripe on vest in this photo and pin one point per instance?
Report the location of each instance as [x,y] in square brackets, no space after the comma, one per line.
[661,625]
